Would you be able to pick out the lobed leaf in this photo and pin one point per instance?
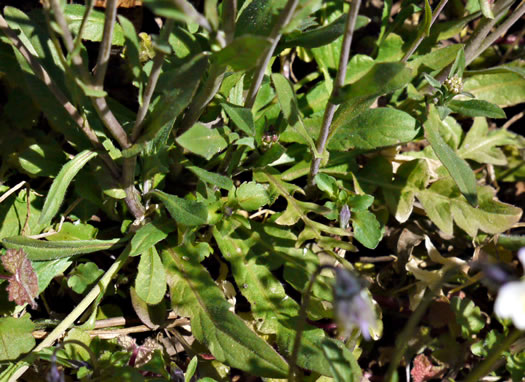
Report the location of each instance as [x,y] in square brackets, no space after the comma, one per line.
[194,294]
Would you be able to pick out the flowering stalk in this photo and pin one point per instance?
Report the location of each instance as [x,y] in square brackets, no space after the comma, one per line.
[352,309]
[338,84]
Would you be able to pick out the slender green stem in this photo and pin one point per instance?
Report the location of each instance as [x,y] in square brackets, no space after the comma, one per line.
[486,366]
[275,36]
[338,84]
[77,312]
[292,373]
[418,40]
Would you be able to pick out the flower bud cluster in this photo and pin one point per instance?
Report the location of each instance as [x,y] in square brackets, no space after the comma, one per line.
[454,84]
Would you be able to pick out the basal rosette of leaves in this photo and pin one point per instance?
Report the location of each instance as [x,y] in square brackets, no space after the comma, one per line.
[180,180]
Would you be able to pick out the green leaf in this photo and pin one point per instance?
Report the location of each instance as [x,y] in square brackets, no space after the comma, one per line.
[56,193]
[94,28]
[502,89]
[203,141]
[444,204]
[476,108]
[270,304]
[177,87]
[194,294]
[212,178]
[367,229]
[242,117]
[186,212]
[468,316]
[149,235]
[437,59]
[242,54]
[486,9]
[373,129]
[320,36]
[83,276]
[258,17]
[481,145]
[457,167]
[251,196]
[192,368]
[458,67]
[383,78]
[410,177]
[166,8]
[132,46]
[150,283]
[42,159]
[343,365]
[40,250]
[290,109]
[427,21]
[15,337]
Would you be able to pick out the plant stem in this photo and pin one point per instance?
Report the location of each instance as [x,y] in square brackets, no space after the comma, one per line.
[42,74]
[338,84]
[292,373]
[152,81]
[275,36]
[504,27]
[105,45]
[229,11]
[188,9]
[486,366]
[417,41]
[204,96]
[77,312]
[472,49]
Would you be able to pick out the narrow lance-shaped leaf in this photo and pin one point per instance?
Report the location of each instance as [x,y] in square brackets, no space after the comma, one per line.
[41,250]
[476,108]
[290,109]
[57,192]
[194,294]
[458,169]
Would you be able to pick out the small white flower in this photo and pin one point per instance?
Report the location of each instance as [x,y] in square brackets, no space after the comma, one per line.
[510,302]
